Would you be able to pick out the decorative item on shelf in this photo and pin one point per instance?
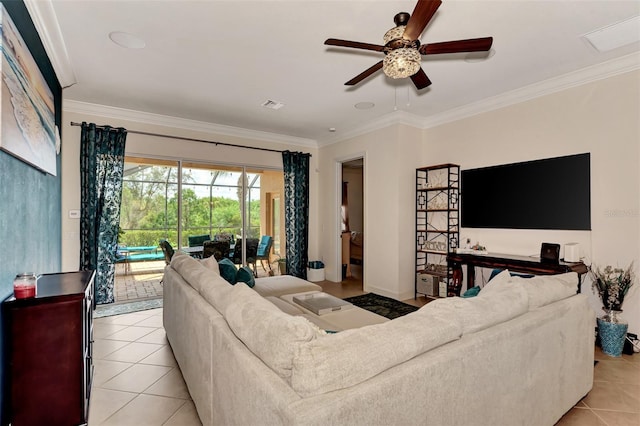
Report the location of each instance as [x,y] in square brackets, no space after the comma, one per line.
[478,247]
[612,284]
[433,267]
[472,249]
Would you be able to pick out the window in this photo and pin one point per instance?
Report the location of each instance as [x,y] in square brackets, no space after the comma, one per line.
[174,200]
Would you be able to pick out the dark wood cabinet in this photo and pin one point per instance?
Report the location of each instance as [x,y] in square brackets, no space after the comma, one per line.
[48,344]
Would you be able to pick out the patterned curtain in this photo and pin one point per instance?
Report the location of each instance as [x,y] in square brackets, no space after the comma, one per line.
[101,169]
[296,211]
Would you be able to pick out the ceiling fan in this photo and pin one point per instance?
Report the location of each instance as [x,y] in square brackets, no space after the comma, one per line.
[402,47]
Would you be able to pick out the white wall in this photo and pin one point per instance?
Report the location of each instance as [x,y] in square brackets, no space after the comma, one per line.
[600,117]
[389,172]
[141,145]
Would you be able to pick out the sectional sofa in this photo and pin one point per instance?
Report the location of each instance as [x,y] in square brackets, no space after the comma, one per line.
[520,353]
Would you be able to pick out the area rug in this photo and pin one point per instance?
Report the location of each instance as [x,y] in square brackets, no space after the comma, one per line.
[126,308]
[381,305]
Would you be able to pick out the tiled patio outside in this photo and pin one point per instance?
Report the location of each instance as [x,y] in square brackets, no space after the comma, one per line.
[143,280]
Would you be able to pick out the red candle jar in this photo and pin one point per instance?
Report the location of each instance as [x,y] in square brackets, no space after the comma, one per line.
[24,285]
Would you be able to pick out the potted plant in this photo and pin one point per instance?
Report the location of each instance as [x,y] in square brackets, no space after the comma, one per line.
[612,285]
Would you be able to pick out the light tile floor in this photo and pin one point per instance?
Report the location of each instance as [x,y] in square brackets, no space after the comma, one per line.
[137,381]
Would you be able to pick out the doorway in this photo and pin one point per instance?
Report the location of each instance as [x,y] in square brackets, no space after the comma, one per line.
[352,222]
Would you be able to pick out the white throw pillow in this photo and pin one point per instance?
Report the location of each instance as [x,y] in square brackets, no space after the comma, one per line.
[212,264]
[546,289]
[503,278]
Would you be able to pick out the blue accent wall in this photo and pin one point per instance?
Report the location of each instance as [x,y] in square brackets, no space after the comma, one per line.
[30,200]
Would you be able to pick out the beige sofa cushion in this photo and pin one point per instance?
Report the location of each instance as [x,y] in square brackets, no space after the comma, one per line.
[497,305]
[340,360]
[269,333]
[211,286]
[541,289]
[193,272]
[546,289]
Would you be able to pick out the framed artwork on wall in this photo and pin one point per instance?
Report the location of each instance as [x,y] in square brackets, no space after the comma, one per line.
[27,107]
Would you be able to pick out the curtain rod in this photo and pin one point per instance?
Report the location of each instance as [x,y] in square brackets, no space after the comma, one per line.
[190,139]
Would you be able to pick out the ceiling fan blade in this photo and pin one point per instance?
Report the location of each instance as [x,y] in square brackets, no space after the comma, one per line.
[470,45]
[366,73]
[353,44]
[422,14]
[420,79]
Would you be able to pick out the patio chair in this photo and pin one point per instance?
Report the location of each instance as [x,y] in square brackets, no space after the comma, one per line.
[167,250]
[218,249]
[252,249]
[198,240]
[264,251]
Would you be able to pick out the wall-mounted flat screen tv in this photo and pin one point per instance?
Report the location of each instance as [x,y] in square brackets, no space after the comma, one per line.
[553,193]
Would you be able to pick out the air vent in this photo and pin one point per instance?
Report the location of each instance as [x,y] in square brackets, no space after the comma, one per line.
[272,104]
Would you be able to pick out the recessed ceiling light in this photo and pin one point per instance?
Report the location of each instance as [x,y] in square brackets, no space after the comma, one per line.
[364,105]
[127,40]
[616,35]
[332,129]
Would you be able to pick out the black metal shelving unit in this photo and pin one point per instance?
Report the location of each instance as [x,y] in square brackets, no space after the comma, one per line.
[437,228]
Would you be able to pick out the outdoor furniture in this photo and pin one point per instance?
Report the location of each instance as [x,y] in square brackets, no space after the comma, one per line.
[130,254]
[198,240]
[167,250]
[195,251]
[252,250]
[264,251]
[218,249]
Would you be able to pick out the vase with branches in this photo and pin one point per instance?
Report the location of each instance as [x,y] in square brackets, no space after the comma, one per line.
[612,285]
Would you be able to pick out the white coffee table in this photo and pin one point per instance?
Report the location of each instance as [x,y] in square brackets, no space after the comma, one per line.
[345,319]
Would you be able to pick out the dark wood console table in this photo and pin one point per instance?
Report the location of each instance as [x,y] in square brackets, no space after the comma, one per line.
[524,264]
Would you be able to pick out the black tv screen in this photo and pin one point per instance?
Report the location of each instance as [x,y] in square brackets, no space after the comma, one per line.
[553,193]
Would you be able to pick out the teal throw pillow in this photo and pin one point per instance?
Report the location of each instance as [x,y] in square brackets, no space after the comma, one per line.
[228,270]
[245,275]
[472,292]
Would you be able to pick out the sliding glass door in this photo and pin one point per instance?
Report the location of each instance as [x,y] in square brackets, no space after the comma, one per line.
[149,209]
[187,203]
[211,203]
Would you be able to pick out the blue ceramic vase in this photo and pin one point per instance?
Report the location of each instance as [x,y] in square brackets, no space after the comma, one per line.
[612,331]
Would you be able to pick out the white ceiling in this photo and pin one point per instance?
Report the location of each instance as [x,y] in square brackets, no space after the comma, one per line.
[218,61]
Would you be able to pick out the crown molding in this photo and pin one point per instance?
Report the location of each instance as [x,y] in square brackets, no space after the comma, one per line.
[46,22]
[182,123]
[392,118]
[590,74]
[580,77]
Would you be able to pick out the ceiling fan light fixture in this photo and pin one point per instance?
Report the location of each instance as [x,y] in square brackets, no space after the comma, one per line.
[401,63]
[394,33]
